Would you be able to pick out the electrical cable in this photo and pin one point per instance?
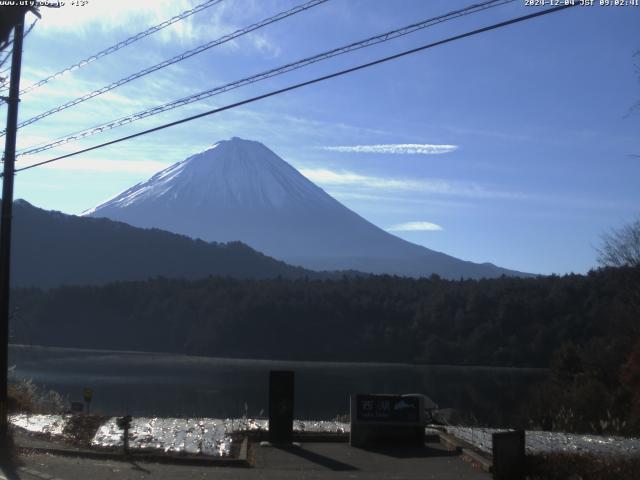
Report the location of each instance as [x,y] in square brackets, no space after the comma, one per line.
[384,37]
[5,86]
[176,59]
[308,82]
[122,44]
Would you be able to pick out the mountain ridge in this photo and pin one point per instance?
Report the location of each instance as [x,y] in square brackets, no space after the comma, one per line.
[241,190]
[51,248]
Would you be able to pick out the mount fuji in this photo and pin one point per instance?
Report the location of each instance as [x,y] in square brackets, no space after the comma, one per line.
[240,190]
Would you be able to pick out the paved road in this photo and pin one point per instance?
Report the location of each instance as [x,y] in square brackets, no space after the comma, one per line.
[310,461]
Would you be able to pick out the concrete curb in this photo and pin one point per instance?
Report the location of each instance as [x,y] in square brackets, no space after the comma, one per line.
[315,437]
[450,442]
[467,451]
[473,456]
[240,461]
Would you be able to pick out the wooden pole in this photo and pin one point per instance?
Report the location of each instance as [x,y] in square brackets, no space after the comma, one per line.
[5,221]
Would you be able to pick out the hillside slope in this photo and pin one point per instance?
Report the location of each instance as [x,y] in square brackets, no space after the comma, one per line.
[52,248]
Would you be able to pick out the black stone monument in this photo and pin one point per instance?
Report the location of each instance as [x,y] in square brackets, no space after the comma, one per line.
[508,455]
[281,385]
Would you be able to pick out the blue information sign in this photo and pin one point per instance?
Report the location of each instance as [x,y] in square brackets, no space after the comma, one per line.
[387,408]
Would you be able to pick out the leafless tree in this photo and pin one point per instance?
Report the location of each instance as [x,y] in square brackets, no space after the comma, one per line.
[621,247]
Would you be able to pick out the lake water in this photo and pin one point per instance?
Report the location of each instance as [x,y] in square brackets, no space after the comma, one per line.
[155,384]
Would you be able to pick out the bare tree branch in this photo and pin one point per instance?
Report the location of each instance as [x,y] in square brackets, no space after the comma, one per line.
[621,247]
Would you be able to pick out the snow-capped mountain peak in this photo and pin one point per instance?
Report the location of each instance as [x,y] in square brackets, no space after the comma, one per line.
[234,171]
[240,190]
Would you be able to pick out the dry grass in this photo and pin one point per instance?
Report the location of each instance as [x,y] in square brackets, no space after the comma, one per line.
[565,466]
[20,400]
[81,429]
[26,397]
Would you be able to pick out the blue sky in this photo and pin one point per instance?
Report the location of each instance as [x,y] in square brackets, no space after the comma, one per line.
[525,139]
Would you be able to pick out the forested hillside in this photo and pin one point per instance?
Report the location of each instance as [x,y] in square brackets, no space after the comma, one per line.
[52,249]
[506,321]
[586,328]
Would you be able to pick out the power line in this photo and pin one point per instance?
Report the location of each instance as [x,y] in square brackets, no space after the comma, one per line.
[176,59]
[33,24]
[2,62]
[308,82]
[122,44]
[384,37]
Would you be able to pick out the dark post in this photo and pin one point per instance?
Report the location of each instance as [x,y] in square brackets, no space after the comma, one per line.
[508,455]
[125,424]
[281,385]
[5,221]
[87,394]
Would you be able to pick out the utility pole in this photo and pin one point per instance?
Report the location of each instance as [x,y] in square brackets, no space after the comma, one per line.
[5,220]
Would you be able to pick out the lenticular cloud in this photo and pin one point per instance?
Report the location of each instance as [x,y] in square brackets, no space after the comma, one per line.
[397,148]
[415,227]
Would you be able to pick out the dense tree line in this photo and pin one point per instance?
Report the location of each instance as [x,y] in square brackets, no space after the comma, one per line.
[505,321]
[585,327]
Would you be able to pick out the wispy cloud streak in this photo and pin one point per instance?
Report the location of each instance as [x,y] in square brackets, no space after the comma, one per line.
[432,186]
[108,166]
[415,227]
[396,148]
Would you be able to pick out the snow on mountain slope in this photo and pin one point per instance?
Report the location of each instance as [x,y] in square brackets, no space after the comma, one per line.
[241,190]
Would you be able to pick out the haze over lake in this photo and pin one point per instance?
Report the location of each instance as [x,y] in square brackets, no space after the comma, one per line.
[178,385]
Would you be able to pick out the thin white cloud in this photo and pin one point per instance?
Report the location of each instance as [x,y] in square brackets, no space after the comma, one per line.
[352,185]
[396,148]
[50,92]
[346,195]
[107,166]
[111,14]
[434,186]
[263,44]
[415,227]
[126,17]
